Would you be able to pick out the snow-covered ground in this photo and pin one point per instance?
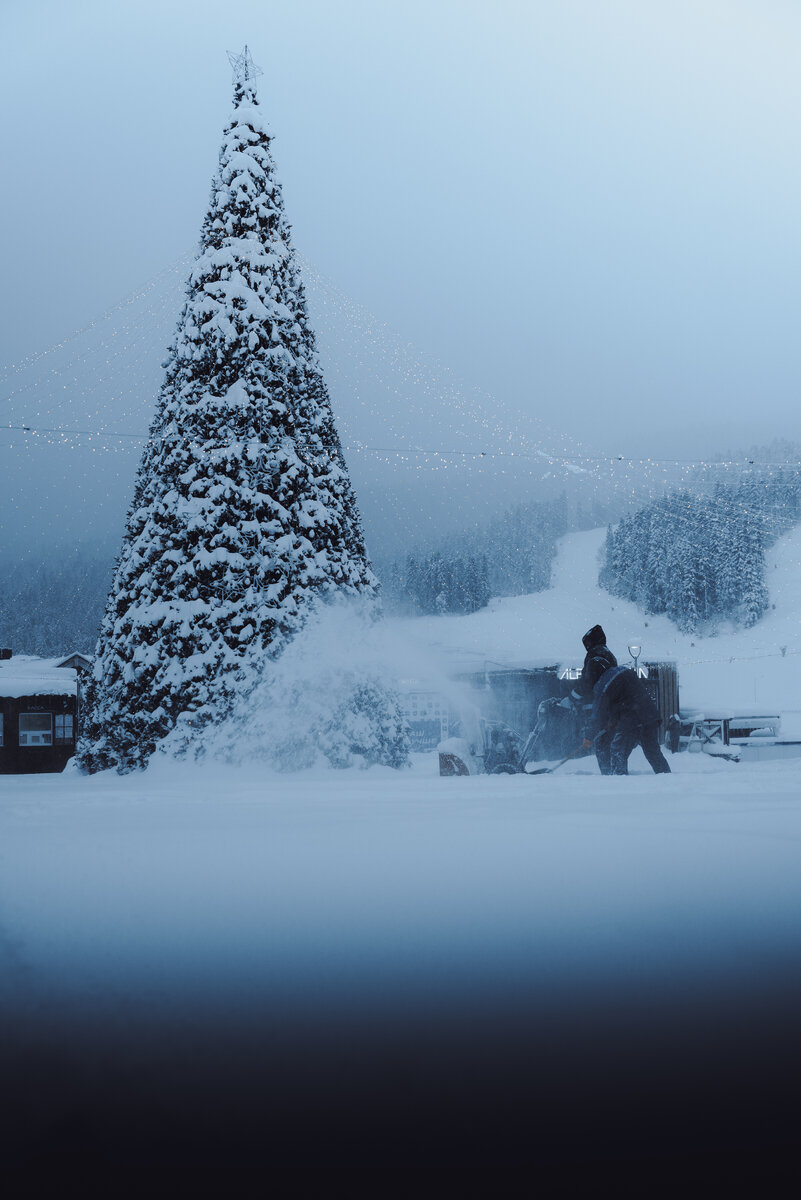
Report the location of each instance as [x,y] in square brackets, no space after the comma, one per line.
[186,876]
[363,890]
[374,967]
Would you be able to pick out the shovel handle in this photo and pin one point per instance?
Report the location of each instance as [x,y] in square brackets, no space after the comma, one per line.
[548,770]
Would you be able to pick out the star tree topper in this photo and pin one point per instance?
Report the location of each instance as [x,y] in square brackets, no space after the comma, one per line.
[243,66]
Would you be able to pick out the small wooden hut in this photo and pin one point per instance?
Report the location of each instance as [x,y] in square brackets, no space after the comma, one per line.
[38,712]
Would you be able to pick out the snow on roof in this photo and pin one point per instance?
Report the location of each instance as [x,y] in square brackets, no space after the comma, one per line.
[27,675]
[88,659]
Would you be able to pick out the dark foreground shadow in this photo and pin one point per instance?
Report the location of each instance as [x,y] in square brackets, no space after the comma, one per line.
[576,1083]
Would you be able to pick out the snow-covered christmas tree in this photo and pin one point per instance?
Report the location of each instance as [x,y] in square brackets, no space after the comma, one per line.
[243,513]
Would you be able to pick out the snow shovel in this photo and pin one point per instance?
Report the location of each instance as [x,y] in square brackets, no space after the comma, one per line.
[547,770]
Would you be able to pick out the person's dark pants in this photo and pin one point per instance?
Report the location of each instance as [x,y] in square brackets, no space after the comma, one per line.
[613,750]
[649,740]
[602,745]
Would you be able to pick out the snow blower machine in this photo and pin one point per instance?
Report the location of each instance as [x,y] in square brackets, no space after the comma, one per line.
[496,749]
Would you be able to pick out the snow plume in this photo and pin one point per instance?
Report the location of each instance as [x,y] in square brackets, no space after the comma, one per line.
[329,699]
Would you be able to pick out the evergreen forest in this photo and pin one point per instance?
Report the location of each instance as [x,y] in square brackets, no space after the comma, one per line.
[699,558]
[510,556]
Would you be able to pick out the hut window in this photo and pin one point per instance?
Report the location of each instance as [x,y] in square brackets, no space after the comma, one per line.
[36,729]
[63,727]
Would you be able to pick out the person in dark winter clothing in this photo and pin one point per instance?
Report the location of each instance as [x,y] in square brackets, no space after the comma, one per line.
[599,658]
[623,716]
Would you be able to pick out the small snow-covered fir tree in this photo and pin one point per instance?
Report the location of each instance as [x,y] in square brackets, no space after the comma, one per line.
[243,513]
[749,558]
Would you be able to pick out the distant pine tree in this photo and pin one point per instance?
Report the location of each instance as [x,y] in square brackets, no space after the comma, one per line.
[243,513]
[752,596]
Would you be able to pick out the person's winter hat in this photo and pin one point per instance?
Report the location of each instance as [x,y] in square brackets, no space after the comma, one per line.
[594,637]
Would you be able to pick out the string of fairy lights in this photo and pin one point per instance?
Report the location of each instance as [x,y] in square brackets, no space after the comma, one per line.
[411,452]
[414,452]
[152,285]
[71,438]
[425,385]
[124,338]
[107,372]
[94,391]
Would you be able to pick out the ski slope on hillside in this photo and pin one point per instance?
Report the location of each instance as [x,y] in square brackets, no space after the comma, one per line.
[741,669]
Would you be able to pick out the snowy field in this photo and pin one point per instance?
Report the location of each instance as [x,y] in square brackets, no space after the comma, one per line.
[384,967]
[427,961]
[186,878]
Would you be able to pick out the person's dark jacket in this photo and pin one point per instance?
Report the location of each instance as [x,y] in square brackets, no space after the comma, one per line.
[619,695]
[598,659]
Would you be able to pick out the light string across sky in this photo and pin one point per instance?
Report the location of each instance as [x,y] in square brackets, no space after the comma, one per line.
[433,381]
[96,387]
[402,417]
[415,451]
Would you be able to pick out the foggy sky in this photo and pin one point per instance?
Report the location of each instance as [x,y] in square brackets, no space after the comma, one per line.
[590,210]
